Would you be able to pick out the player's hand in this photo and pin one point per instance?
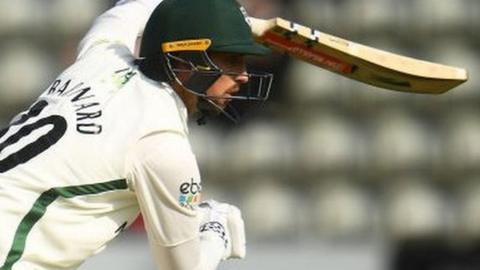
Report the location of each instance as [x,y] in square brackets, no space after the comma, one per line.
[226,222]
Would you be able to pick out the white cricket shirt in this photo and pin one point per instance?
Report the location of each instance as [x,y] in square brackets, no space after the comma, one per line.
[100,144]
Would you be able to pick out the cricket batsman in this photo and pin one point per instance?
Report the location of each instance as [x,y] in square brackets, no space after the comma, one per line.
[108,139]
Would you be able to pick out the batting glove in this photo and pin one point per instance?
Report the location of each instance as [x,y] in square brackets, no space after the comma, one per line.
[225,221]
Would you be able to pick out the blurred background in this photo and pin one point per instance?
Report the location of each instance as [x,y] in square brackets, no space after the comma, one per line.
[329,173]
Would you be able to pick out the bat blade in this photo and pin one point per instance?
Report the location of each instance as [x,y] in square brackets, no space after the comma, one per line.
[359,62]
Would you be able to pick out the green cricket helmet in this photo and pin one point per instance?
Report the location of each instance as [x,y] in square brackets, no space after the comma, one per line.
[224,22]
[178,38]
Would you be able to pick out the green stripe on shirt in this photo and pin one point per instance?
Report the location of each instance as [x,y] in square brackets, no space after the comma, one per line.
[40,207]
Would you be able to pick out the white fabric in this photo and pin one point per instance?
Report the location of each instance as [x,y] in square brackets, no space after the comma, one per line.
[121,114]
[120,125]
[121,24]
[160,164]
[230,218]
[198,254]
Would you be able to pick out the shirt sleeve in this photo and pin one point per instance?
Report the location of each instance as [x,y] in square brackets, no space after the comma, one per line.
[163,173]
[122,24]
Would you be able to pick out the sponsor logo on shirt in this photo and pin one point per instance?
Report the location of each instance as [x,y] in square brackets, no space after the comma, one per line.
[190,192]
[123,76]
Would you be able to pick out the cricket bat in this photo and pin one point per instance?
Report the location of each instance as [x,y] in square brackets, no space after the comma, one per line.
[359,62]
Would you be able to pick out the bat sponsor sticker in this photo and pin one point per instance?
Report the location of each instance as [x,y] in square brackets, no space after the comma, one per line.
[306,52]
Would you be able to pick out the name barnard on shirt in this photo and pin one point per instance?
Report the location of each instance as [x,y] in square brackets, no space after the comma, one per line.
[87,108]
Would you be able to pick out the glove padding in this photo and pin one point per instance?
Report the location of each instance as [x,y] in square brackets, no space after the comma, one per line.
[226,222]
